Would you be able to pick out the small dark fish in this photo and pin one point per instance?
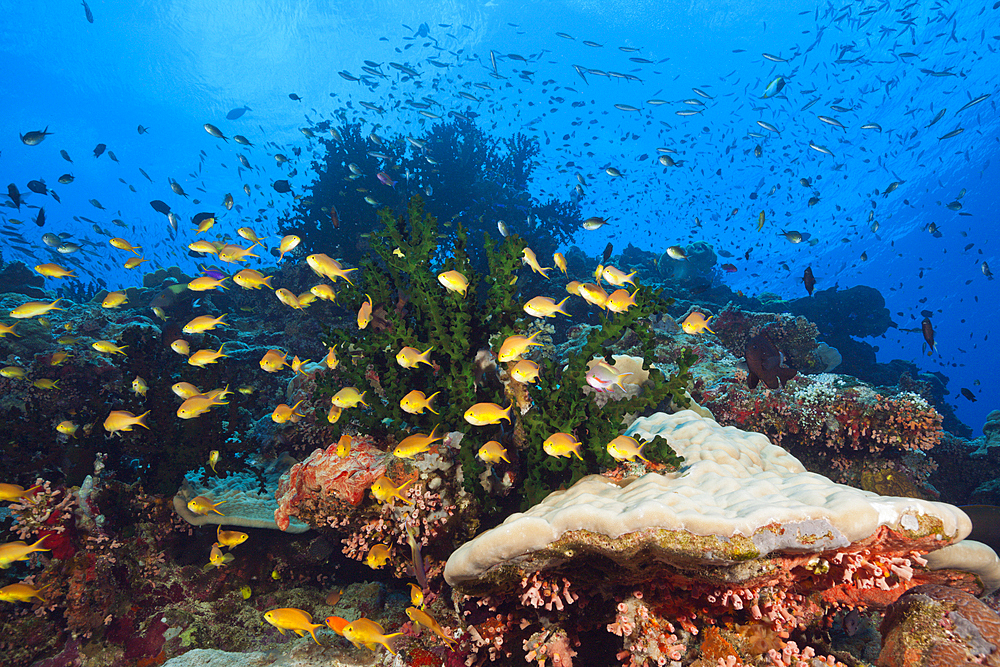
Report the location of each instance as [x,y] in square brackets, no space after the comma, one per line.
[40,218]
[35,137]
[97,204]
[240,139]
[38,187]
[237,112]
[927,329]
[764,363]
[99,150]
[293,96]
[607,253]
[176,187]
[215,132]
[143,130]
[65,156]
[145,174]
[160,206]
[809,280]
[66,179]
[90,14]
[282,186]
[111,154]
[969,395]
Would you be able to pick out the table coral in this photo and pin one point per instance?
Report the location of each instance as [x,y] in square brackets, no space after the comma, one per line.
[742,533]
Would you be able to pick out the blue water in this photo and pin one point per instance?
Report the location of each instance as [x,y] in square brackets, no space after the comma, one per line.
[173,66]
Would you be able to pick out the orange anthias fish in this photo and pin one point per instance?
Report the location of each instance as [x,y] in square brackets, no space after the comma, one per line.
[423,619]
[383,489]
[203,505]
[562,444]
[695,323]
[296,620]
[12,552]
[363,632]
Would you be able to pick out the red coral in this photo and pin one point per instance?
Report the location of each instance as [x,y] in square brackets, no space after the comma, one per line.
[325,477]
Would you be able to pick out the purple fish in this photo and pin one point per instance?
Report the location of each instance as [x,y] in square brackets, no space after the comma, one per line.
[213,273]
[386,179]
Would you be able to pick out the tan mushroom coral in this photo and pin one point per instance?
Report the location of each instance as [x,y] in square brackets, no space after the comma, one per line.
[741,514]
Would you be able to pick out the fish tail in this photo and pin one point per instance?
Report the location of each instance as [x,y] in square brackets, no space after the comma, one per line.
[267,281]
[141,420]
[428,402]
[576,451]
[40,540]
[558,308]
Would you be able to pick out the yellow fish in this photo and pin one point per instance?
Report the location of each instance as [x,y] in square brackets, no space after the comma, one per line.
[114,300]
[185,390]
[204,323]
[197,405]
[213,459]
[377,556]
[323,291]
[485,414]
[67,428]
[514,346]
[290,618]
[562,445]
[560,261]
[525,371]
[122,244]
[297,365]
[251,279]
[383,489]
[133,262]
[620,301]
[327,267]
[624,448]
[202,505]
[250,235]
[415,444]
[206,247]
[760,221]
[492,452]
[283,413]
[288,298]
[344,446]
[593,294]
[543,306]
[46,383]
[217,559]
[54,271]
[57,358]
[416,595]
[229,538]
[203,358]
[365,313]
[123,420]
[330,359]
[363,632]
[273,361]
[602,376]
[181,346]
[617,277]
[20,593]
[5,329]
[416,402]
[15,551]
[333,414]
[139,386]
[12,372]
[12,492]
[424,619]
[531,260]
[233,253]
[695,323]
[107,347]
[206,283]
[348,397]
[288,244]
[30,309]
[409,357]
[454,281]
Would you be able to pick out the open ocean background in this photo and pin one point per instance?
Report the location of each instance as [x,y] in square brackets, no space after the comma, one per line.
[174,66]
